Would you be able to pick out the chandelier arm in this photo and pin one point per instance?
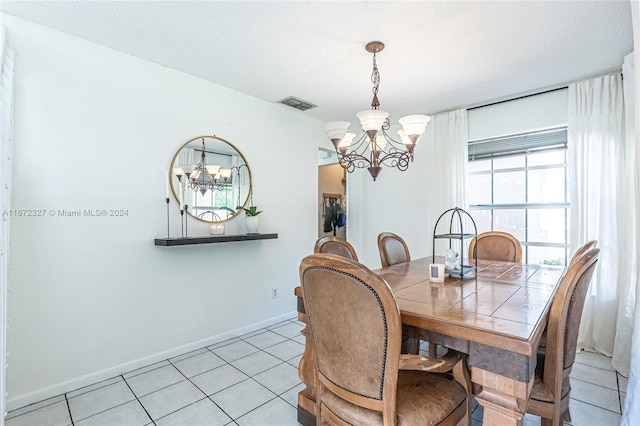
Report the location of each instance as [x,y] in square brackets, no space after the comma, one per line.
[347,164]
[353,148]
[355,160]
[389,138]
[362,142]
[400,160]
[216,186]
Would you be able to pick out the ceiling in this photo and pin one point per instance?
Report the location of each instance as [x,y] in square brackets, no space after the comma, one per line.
[438,56]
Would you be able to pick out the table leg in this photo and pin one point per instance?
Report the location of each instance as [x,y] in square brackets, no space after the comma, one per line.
[504,400]
[307,373]
[410,340]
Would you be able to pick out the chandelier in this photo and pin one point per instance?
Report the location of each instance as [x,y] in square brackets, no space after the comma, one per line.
[202,176]
[375,147]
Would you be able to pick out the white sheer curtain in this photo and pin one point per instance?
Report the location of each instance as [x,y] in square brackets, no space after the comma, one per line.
[628,268]
[631,410]
[596,158]
[6,140]
[447,138]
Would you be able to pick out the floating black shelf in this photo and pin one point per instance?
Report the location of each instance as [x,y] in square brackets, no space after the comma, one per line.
[167,242]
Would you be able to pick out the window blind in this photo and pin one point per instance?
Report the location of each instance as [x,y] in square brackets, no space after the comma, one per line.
[519,144]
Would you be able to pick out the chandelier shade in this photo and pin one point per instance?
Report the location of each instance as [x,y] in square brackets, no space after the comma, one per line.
[336,129]
[372,120]
[346,141]
[375,148]
[413,126]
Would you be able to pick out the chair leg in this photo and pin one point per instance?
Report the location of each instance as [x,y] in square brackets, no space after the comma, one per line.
[551,422]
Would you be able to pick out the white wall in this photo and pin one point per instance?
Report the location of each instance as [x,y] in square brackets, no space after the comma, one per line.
[396,202]
[91,297]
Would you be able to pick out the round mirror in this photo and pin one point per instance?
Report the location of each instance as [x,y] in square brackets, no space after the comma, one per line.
[209,175]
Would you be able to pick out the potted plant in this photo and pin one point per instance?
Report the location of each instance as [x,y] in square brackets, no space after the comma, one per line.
[251,217]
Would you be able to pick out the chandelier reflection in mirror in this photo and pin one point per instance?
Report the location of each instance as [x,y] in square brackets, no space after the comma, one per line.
[376,148]
[205,177]
[210,178]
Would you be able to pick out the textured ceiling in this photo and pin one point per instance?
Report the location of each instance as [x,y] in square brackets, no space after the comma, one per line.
[438,55]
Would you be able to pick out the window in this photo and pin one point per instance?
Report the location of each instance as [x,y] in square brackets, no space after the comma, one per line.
[519,184]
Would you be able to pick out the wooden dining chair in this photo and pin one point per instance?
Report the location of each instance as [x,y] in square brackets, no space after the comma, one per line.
[392,249]
[362,379]
[551,388]
[542,347]
[496,245]
[335,245]
[587,246]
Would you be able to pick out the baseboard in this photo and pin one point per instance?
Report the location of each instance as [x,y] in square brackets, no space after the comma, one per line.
[89,379]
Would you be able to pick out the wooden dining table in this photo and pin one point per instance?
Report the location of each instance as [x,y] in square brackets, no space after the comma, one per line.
[496,315]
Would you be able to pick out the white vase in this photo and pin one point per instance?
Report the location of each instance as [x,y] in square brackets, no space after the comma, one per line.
[252,224]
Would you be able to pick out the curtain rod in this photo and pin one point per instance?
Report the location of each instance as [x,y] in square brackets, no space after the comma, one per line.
[528,94]
[518,97]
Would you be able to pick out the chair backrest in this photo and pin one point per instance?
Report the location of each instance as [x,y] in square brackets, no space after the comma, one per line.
[588,245]
[335,245]
[564,319]
[496,245]
[392,249]
[356,331]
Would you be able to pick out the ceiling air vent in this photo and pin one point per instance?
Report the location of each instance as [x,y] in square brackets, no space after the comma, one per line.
[297,103]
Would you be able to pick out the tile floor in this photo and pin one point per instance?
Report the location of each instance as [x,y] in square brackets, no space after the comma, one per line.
[253,380]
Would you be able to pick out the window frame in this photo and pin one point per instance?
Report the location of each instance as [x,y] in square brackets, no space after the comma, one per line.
[526,206]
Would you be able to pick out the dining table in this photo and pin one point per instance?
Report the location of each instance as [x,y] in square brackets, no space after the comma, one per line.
[496,314]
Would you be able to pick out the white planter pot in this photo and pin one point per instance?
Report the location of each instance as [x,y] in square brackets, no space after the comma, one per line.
[252,224]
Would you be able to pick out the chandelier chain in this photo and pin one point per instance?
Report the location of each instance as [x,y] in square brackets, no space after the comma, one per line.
[375,76]
[375,79]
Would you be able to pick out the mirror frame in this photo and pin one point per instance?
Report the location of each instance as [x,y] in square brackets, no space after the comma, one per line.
[171,176]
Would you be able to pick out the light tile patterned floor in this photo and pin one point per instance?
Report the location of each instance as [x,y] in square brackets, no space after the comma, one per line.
[253,380]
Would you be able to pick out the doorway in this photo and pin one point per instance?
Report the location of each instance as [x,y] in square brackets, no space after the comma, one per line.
[332,196]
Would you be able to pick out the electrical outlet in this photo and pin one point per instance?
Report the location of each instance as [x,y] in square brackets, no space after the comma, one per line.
[274,293]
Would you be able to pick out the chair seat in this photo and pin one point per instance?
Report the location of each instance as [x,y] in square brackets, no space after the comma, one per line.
[422,399]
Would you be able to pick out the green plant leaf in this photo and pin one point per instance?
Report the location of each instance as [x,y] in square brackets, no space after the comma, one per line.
[229,209]
[251,211]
